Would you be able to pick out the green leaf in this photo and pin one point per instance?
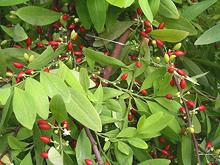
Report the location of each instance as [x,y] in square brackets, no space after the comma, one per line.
[15,144]
[154,5]
[47,56]
[4,95]
[7,30]
[186,150]
[58,109]
[27,160]
[111,93]
[19,33]
[170,35]
[127,132]
[84,79]
[39,16]
[138,143]
[155,162]
[24,108]
[123,158]
[217,102]
[82,11]
[196,124]
[180,24]
[121,3]
[113,105]
[24,133]
[11,2]
[97,11]
[195,10]
[171,105]
[36,90]
[141,106]
[101,58]
[210,36]
[146,9]
[54,156]
[80,108]
[112,33]
[123,147]
[99,94]
[83,148]
[168,9]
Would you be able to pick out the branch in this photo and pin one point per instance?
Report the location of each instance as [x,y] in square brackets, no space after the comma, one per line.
[189,121]
[94,147]
[116,53]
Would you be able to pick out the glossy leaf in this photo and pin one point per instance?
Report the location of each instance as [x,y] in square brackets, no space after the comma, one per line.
[11,2]
[154,5]
[37,15]
[170,35]
[123,147]
[4,95]
[19,33]
[27,160]
[156,162]
[186,150]
[54,157]
[15,144]
[138,143]
[168,9]
[120,3]
[144,4]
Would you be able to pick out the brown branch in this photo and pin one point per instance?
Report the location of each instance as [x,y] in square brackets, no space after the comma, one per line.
[94,147]
[115,53]
[189,121]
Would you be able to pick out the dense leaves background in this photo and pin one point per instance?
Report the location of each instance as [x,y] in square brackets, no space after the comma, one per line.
[82,79]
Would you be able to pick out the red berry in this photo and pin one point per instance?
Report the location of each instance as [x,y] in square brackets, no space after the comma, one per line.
[170,157]
[44,126]
[124,76]
[45,139]
[210,163]
[190,104]
[44,155]
[107,163]
[171,69]
[133,57]
[179,53]
[81,46]
[183,84]
[169,96]
[42,122]
[40,45]
[139,11]
[161,25]
[148,30]
[72,26]
[167,147]
[202,108]
[130,117]
[208,144]
[147,23]
[182,110]
[144,92]
[70,46]
[46,70]
[78,60]
[29,71]
[65,124]
[18,46]
[65,17]
[162,140]
[138,64]
[18,65]
[62,58]
[143,34]
[159,43]
[107,53]
[164,152]
[77,53]
[53,43]
[18,80]
[172,82]
[181,72]
[82,29]
[20,75]
[28,41]
[88,162]
[170,53]
[39,30]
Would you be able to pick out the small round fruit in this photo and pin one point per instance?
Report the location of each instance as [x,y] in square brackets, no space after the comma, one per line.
[124,76]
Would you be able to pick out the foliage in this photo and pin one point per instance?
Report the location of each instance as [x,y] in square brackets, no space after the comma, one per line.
[109,82]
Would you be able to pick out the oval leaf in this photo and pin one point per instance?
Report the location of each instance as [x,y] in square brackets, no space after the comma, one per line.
[11,2]
[168,9]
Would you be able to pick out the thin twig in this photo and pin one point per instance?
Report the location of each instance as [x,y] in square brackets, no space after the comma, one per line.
[189,121]
[94,147]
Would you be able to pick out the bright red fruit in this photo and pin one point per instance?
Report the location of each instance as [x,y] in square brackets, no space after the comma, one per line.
[28,41]
[171,69]
[202,108]
[162,140]
[70,46]
[182,109]
[159,43]
[88,162]
[181,72]
[65,124]
[183,84]
[42,122]
[190,104]
[161,25]
[45,139]
[138,64]
[20,75]
[169,96]
[167,147]
[81,46]
[124,76]
[44,126]
[139,11]
[82,29]
[208,144]
[46,70]
[144,92]
[172,82]
[143,34]
[148,30]
[179,53]
[164,152]
[107,163]
[18,65]
[29,71]
[130,117]
[44,155]
[40,45]
[65,17]
[147,23]
[72,26]
[78,60]
[77,53]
